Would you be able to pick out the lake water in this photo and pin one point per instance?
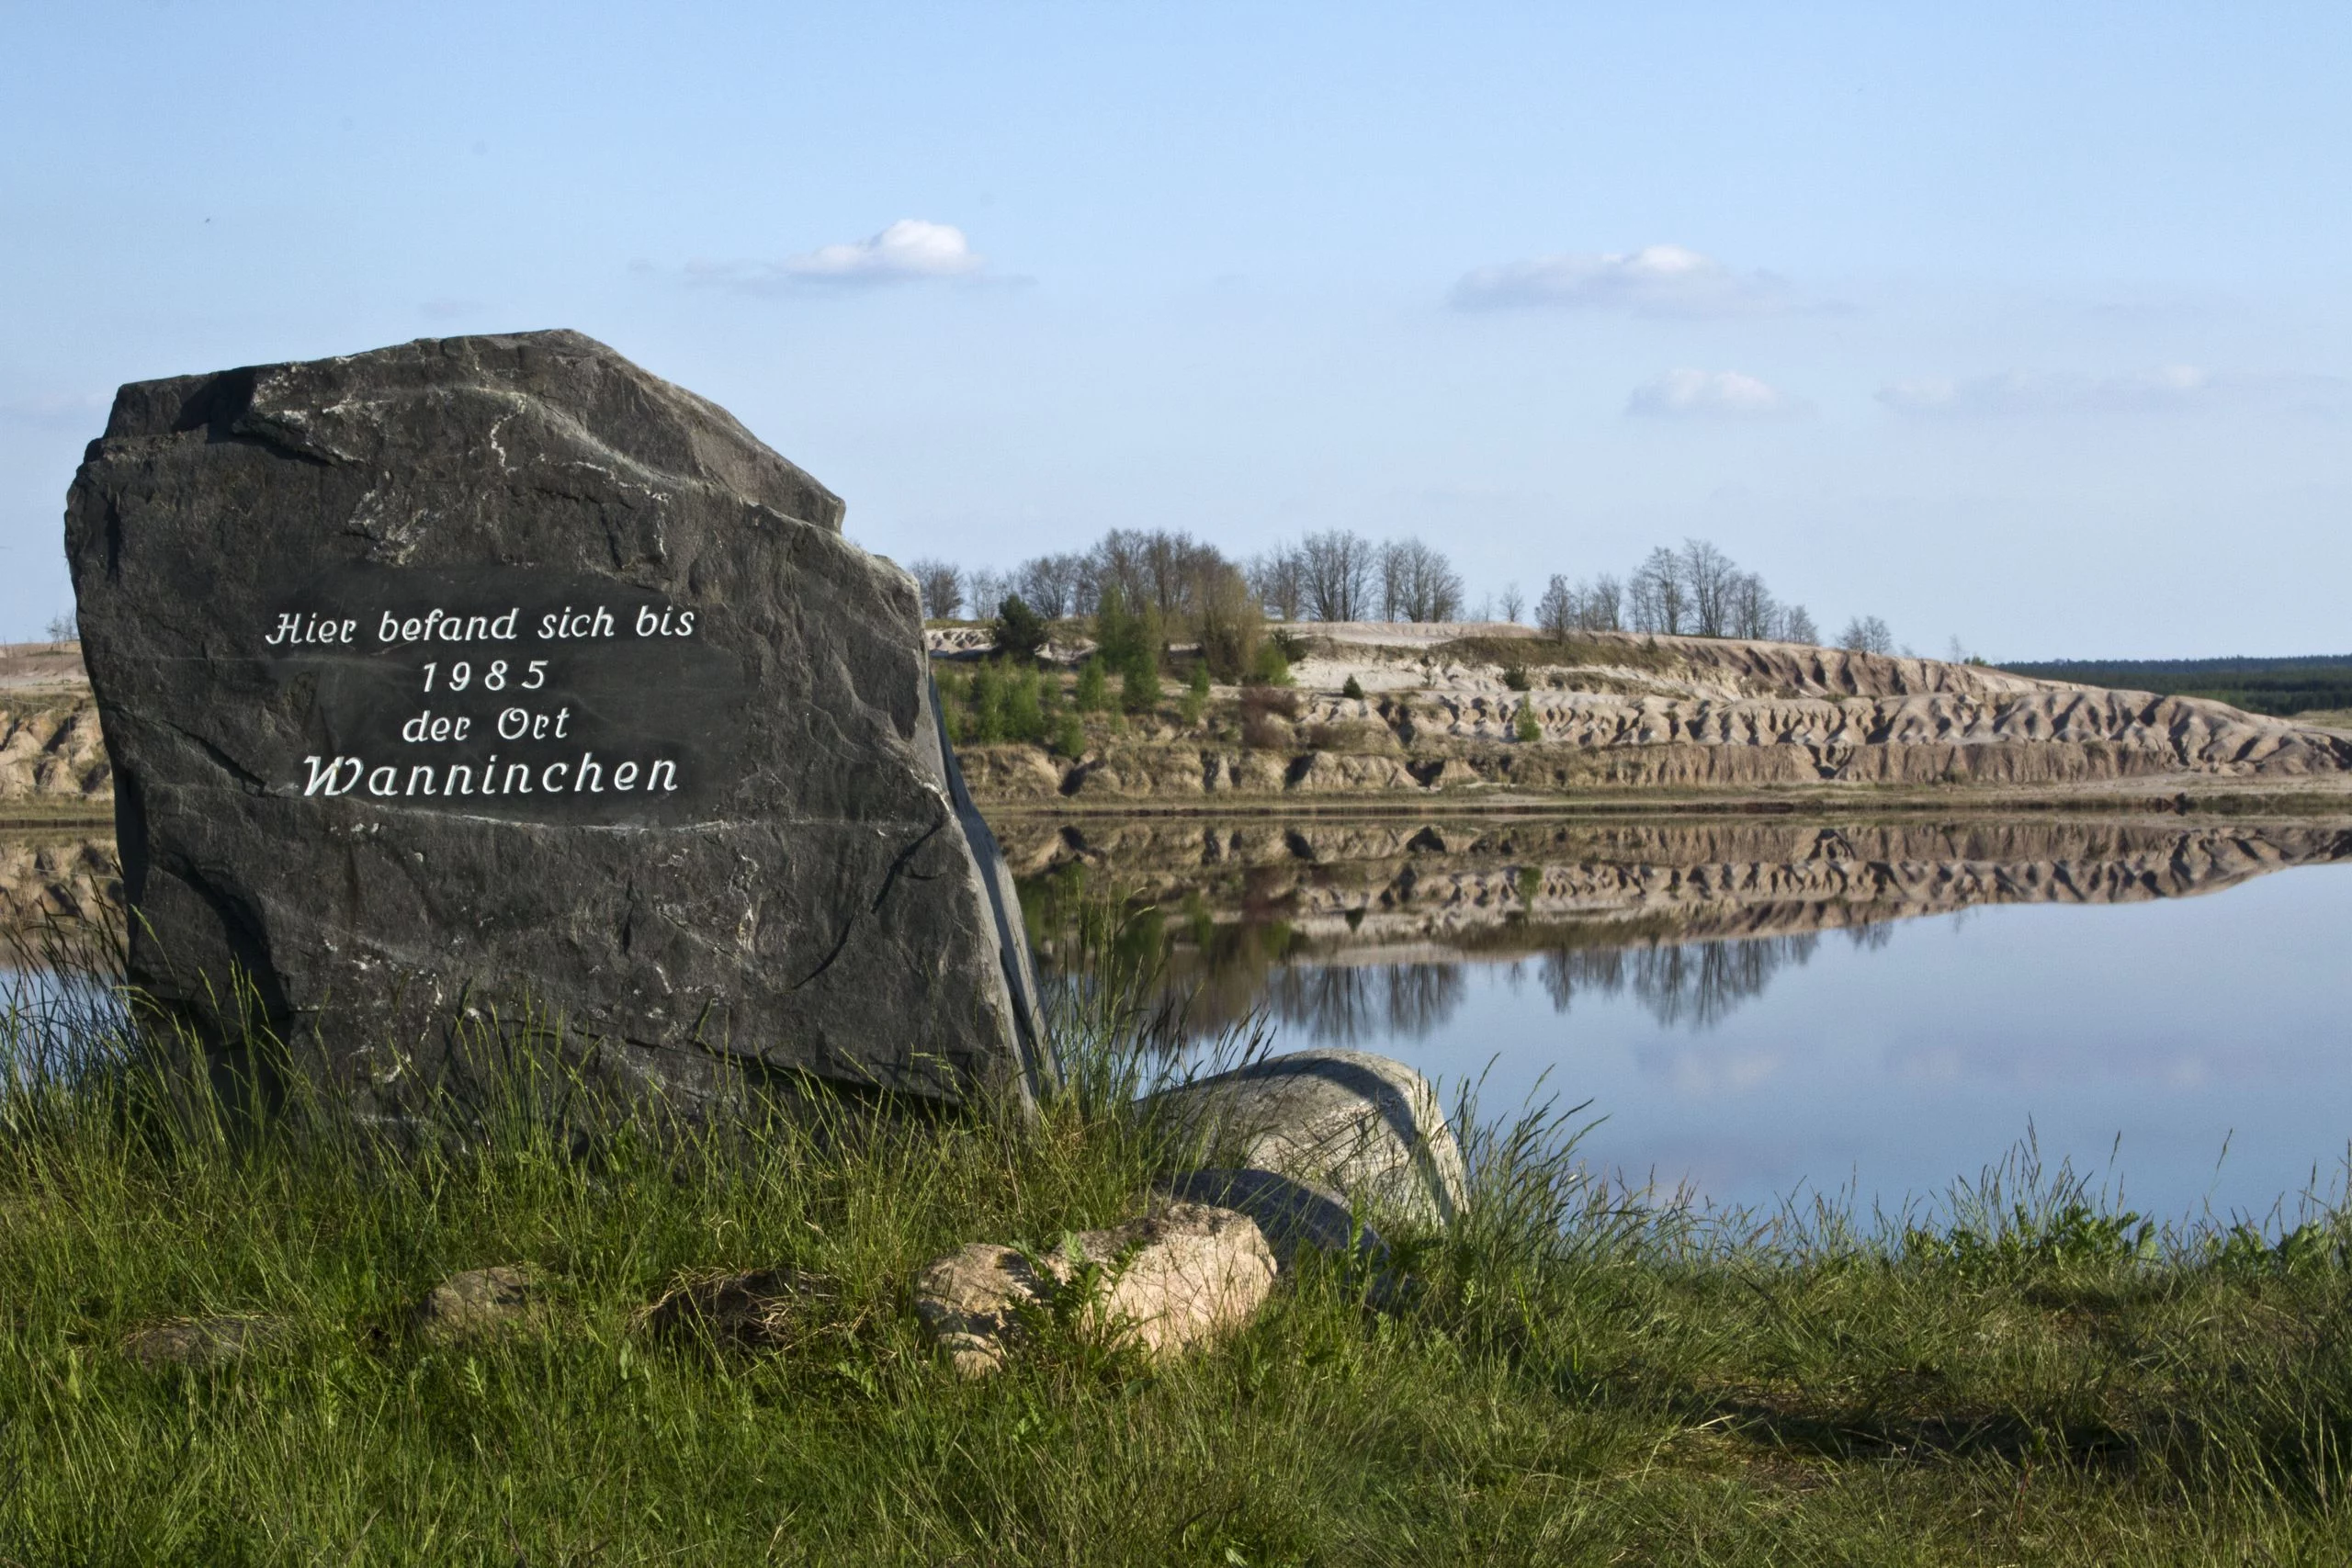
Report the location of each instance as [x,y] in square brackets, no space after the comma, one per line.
[1762,1010]
[1757,1008]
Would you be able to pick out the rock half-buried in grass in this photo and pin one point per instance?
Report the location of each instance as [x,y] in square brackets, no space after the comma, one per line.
[1177,1277]
[1366,1125]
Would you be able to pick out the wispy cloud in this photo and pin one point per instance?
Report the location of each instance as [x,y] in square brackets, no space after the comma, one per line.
[1710,394]
[1656,280]
[2168,388]
[907,250]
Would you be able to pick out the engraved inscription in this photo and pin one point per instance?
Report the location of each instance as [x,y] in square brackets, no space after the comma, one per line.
[505,691]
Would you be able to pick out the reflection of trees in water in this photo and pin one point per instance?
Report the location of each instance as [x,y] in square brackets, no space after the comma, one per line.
[1220,973]
[1342,1004]
[1698,983]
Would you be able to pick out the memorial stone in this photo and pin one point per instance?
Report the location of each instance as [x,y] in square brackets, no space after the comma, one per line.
[492,678]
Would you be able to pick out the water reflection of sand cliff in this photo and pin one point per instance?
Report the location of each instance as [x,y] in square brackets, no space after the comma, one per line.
[1358,931]
[48,873]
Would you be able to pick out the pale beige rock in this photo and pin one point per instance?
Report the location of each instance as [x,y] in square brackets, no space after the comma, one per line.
[1182,1275]
[972,1300]
[1365,1125]
[480,1300]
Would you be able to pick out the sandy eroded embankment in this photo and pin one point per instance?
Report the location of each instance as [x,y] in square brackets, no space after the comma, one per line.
[1442,709]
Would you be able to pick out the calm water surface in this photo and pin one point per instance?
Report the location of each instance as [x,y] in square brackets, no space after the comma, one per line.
[1892,1064]
[2164,1007]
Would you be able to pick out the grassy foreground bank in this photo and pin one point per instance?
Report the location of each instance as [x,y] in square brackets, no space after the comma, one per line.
[1578,1377]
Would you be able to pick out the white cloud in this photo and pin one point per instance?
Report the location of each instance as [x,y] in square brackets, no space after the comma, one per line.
[1710,394]
[911,249]
[1656,280]
[2167,387]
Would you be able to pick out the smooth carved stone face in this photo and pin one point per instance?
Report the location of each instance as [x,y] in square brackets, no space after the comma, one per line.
[494,678]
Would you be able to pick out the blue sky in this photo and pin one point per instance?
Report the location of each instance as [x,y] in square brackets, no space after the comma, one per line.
[2029,325]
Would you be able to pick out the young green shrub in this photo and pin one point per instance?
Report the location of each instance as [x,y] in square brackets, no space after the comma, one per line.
[1128,639]
[1024,714]
[985,724]
[1269,668]
[1353,690]
[1196,696]
[1094,693]
[1069,737]
[1526,728]
[1021,632]
[1515,677]
[1139,688]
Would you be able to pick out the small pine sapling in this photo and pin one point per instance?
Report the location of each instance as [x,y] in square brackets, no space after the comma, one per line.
[1093,695]
[1196,696]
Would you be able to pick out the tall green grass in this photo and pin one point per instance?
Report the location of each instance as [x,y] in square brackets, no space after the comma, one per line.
[1578,1373]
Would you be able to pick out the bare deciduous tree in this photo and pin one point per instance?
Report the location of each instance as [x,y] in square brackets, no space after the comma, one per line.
[1711,582]
[1796,625]
[1514,603]
[1556,610]
[1279,578]
[1417,583]
[1866,634]
[1659,599]
[1337,567]
[1567,608]
[990,590]
[1752,612]
[942,587]
[1603,607]
[1049,584]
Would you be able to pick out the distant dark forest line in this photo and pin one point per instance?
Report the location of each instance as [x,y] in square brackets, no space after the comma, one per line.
[2279,687]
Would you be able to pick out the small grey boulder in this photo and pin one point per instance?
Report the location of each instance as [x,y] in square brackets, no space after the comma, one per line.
[1290,1213]
[1367,1125]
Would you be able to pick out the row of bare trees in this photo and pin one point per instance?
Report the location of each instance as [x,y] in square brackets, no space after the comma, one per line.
[1696,591]
[1340,575]
[1331,576]
[1178,585]
[1168,571]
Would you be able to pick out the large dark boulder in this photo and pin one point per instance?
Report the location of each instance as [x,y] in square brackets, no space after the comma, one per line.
[490,682]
